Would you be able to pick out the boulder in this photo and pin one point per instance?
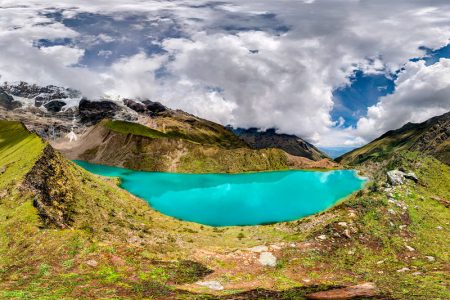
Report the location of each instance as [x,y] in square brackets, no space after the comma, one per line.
[267,259]
[395,177]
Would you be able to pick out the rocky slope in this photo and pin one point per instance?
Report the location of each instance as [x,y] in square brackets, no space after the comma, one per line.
[178,141]
[431,136]
[271,139]
[51,98]
[68,234]
[134,146]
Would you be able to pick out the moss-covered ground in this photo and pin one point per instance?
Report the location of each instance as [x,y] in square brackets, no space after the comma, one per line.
[116,247]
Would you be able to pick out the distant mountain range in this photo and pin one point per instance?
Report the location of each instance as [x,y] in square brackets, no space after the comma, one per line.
[431,137]
[72,234]
[146,135]
[269,138]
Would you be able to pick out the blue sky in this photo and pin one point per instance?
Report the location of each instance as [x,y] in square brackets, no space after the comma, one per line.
[351,101]
[337,73]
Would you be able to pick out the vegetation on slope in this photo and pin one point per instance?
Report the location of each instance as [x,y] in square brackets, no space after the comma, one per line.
[194,131]
[138,147]
[431,136]
[113,245]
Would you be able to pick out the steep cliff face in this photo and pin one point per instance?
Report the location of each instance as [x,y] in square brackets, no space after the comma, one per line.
[271,139]
[431,137]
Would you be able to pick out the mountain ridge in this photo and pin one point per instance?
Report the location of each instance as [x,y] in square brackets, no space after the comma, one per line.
[72,235]
[290,143]
[431,136]
[62,115]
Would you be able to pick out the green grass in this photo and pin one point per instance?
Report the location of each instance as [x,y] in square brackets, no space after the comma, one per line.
[206,135]
[419,137]
[200,160]
[125,127]
[18,152]
[196,151]
[140,253]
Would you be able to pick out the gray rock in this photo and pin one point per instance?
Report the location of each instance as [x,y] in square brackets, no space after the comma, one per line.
[395,177]
[410,248]
[267,259]
[402,270]
[430,258]
[411,176]
[322,237]
[92,263]
[213,285]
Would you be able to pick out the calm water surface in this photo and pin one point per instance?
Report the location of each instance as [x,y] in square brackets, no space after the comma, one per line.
[241,199]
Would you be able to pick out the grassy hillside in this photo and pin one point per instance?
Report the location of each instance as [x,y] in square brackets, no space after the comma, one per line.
[432,137]
[134,146]
[67,234]
[212,136]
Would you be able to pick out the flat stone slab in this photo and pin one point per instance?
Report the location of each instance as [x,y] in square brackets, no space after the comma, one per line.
[213,285]
[367,289]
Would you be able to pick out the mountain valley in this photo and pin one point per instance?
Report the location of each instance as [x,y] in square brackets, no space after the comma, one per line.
[70,234]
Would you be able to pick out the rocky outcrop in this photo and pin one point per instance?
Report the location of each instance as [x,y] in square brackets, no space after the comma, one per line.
[8,102]
[271,139]
[51,185]
[92,112]
[397,177]
[55,106]
[134,105]
[40,94]
[146,107]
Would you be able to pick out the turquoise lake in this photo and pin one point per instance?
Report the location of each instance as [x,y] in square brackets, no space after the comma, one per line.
[238,199]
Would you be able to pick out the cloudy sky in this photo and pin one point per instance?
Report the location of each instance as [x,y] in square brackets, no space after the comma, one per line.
[335,72]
